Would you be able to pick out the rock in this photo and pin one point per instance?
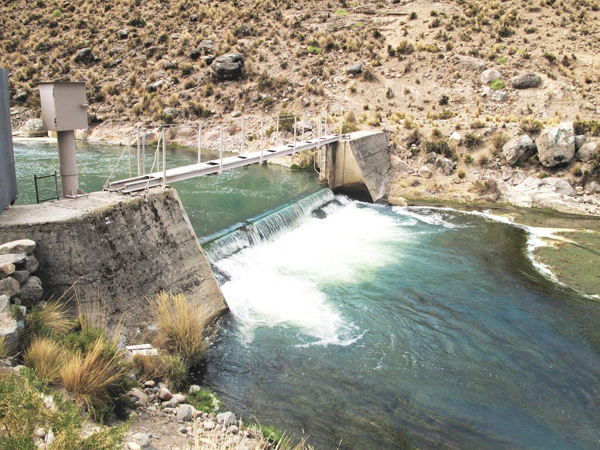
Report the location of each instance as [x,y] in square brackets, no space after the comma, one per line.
[233,429]
[305,101]
[526,81]
[20,96]
[587,105]
[31,264]
[456,137]
[579,141]
[425,172]
[207,46]
[499,96]
[444,165]
[194,388]
[468,63]
[132,446]
[397,201]
[139,395]
[208,60]
[34,127]
[185,413]
[142,439]
[49,439]
[9,287]
[13,258]
[164,394]
[84,55]
[556,145]
[399,165]
[489,75]
[228,67]
[517,150]
[149,383]
[592,187]
[588,152]
[155,50]
[6,269]
[226,419]
[9,329]
[123,34]
[170,65]
[31,291]
[195,54]
[561,186]
[155,86]
[173,403]
[170,113]
[236,114]
[209,425]
[179,397]
[354,69]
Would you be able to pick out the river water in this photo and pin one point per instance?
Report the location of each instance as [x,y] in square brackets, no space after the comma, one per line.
[370,327]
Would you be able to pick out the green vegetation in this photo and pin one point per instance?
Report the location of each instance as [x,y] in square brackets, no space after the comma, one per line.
[587,127]
[204,400]
[438,146]
[341,12]
[314,50]
[501,60]
[530,125]
[170,369]
[473,140]
[497,84]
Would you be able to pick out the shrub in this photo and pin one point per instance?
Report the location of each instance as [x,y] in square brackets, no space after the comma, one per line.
[204,400]
[497,84]
[170,369]
[48,321]
[46,358]
[587,127]
[551,57]
[498,140]
[181,329]
[461,173]
[341,12]
[405,48]
[473,140]
[438,146]
[312,49]
[95,380]
[530,125]
[445,115]
[468,159]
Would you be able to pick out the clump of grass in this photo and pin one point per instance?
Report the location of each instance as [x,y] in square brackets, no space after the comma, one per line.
[498,140]
[50,320]
[468,159]
[472,140]
[461,173]
[438,146]
[313,49]
[95,380]
[181,329]
[530,125]
[46,358]
[204,400]
[341,12]
[170,369]
[587,127]
[497,84]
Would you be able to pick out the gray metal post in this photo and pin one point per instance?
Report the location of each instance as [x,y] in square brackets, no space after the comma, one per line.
[199,142]
[326,120]
[319,135]
[262,147]
[243,135]
[144,153]
[302,124]
[139,155]
[67,158]
[164,155]
[129,151]
[221,151]
[277,133]
[294,136]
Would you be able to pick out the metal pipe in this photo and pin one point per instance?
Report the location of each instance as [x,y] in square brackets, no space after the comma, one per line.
[262,147]
[144,153]
[67,157]
[242,150]
[294,152]
[199,142]
[139,161]
[341,123]
[129,151]
[164,154]
[302,124]
[277,133]
[221,151]
[319,135]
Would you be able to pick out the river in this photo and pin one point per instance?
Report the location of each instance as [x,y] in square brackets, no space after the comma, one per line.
[365,326]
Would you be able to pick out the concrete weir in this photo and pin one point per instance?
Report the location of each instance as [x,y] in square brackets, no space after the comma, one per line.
[360,166]
[117,250]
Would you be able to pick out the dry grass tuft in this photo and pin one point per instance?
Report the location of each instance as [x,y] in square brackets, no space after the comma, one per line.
[93,377]
[170,369]
[49,320]
[46,357]
[181,326]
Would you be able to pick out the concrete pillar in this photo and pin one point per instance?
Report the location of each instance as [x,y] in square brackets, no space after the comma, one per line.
[8,175]
[67,158]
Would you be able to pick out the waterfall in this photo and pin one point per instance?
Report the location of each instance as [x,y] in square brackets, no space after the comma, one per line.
[264,226]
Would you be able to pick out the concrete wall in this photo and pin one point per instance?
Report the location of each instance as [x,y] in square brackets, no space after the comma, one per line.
[117,250]
[8,176]
[361,166]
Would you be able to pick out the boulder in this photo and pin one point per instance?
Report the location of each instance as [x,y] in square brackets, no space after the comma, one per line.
[20,96]
[170,112]
[31,264]
[9,287]
[354,69]
[195,54]
[444,165]
[526,81]
[499,96]
[588,152]
[13,258]
[397,201]
[34,128]
[579,141]
[164,394]
[84,55]
[185,413]
[556,145]
[517,149]
[6,269]
[142,439]
[468,63]
[228,67]
[141,396]
[489,75]
[155,86]
[456,137]
[123,34]
[194,388]
[9,329]
[207,46]
[425,172]
[31,291]
[26,246]
[226,419]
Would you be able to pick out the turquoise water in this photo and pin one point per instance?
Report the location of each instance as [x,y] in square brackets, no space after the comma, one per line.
[369,327]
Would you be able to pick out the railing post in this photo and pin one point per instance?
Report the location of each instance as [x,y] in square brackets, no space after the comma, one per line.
[243,135]
[221,150]
[302,125]
[199,142]
[164,154]
[262,147]
[326,120]
[143,159]
[319,135]
[129,152]
[277,133]
[341,123]
[294,135]
[139,160]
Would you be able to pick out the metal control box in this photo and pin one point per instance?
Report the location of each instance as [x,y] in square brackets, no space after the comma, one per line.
[64,106]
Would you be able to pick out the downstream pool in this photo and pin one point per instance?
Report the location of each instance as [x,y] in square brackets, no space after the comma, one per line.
[370,327]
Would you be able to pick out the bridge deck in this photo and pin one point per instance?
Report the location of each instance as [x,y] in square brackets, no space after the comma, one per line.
[215,166]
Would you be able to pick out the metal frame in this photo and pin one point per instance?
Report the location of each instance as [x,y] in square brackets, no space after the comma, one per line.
[37,193]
